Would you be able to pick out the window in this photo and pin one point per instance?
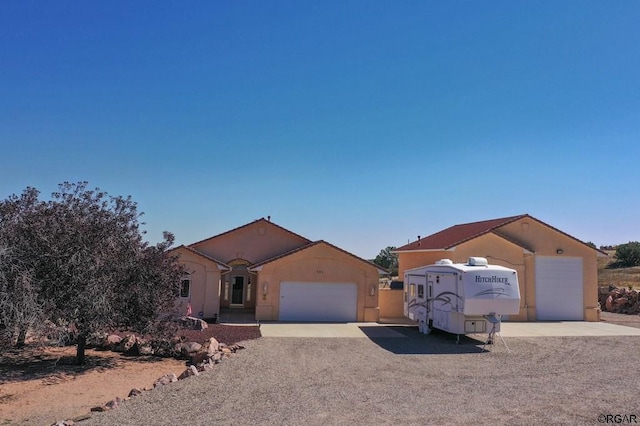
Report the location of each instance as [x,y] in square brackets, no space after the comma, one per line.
[421,291]
[185,287]
[412,290]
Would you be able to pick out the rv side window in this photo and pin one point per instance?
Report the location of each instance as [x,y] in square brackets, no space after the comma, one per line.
[412,290]
[421,291]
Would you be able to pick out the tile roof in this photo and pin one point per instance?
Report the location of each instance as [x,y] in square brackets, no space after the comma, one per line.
[262,219]
[213,259]
[312,244]
[457,234]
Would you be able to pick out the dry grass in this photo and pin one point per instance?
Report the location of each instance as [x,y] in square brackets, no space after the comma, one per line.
[618,277]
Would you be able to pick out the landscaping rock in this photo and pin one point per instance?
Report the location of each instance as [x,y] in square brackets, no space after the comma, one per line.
[165,380]
[191,371]
[193,323]
[126,344]
[211,346]
[620,300]
[134,392]
[188,349]
[145,348]
[114,403]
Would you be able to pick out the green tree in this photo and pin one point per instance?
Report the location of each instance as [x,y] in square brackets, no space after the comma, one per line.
[88,263]
[388,260]
[627,255]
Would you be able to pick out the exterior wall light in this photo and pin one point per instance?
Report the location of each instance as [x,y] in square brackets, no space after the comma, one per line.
[372,290]
[559,251]
[265,290]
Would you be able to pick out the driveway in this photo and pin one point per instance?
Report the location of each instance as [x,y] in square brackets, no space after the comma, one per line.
[509,329]
[401,378]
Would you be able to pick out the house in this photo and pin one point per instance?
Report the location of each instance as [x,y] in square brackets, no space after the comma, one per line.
[279,275]
[557,272]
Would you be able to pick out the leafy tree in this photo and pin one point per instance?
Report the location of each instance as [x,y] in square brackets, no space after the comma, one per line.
[20,308]
[627,255]
[89,265]
[388,260]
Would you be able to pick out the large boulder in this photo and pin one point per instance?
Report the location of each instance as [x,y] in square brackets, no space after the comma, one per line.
[193,323]
[126,344]
[187,349]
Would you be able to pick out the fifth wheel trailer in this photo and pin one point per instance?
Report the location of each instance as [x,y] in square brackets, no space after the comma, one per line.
[461,298]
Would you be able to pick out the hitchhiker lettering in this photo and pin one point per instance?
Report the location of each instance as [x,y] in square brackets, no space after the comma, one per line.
[492,279]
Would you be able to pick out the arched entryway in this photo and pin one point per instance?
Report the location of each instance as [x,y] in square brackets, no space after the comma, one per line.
[239,286]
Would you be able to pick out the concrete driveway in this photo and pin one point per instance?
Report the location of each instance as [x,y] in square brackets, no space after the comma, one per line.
[509,329]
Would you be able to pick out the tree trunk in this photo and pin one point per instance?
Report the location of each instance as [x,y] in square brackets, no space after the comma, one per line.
[82,343]
[22,336]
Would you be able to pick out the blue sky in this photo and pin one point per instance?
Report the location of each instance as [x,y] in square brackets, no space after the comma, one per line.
[363,123]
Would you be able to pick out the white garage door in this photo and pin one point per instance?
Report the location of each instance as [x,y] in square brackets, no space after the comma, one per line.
[307,301]
[559,288]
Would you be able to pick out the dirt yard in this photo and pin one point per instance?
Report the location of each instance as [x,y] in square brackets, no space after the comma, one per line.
[39,386]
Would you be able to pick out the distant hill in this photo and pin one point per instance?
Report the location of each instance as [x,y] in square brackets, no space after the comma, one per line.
[619,277]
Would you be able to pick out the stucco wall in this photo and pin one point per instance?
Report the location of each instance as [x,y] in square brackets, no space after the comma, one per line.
[415,259]
[255,242]
[320,263]
[205,285]
[391,303]
[546,241]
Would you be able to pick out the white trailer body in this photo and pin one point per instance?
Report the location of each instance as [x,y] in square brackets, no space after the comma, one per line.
[461,298]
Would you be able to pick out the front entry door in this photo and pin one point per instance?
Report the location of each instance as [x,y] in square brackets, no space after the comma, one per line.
[237,292]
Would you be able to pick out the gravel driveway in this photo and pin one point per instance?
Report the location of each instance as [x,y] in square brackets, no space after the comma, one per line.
[416,379]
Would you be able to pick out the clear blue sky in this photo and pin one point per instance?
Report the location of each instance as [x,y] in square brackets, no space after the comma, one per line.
[363,123]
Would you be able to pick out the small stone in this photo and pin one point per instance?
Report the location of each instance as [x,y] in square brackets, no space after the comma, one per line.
[113,403]
[165,380]
[191,371]
[134,392]
[145,349]
[198,358]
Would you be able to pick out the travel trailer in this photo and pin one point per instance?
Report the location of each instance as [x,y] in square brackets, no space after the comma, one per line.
[461,298]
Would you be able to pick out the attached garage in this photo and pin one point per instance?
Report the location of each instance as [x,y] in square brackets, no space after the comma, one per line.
[559,288]
[318,301]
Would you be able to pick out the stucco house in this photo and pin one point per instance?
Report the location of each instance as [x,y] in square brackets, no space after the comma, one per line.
[278,274]
[557,272]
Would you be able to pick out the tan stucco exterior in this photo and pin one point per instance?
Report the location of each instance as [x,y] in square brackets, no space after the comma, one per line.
[244,268]
[204,276]
[319,263]
[516,245]
[390,301]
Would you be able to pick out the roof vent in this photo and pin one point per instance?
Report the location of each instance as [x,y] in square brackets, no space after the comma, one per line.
[477,261]
[444,262]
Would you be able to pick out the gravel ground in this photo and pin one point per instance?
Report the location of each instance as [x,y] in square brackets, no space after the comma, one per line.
[419,379]
[621,319]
